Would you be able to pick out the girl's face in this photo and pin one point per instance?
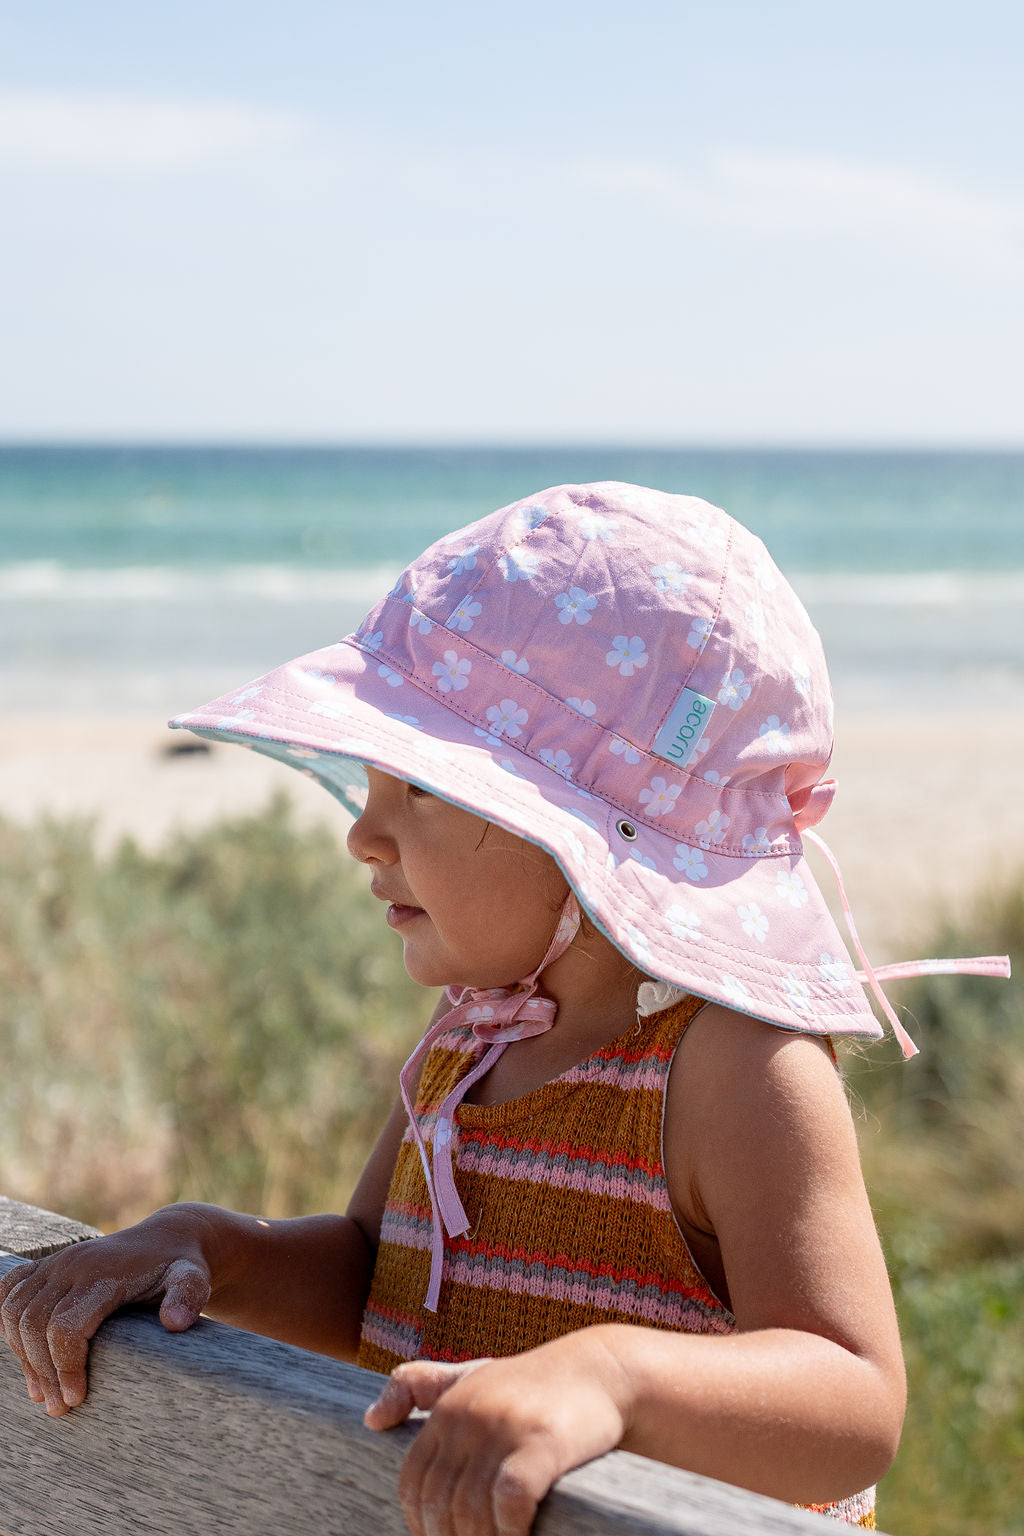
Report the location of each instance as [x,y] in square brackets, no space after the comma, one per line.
[474,905]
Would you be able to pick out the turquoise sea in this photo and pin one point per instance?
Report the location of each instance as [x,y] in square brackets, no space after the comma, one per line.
[136,579]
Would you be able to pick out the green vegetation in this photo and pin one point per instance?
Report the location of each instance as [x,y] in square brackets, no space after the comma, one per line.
[944,1162]
[225,1019]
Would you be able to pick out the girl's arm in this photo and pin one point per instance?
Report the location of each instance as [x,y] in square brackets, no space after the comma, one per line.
[304,1281]
[805,1402]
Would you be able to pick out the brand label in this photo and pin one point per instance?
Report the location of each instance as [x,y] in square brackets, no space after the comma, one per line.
[677,740]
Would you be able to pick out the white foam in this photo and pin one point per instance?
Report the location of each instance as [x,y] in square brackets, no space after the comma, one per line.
[915,589]
[32,580]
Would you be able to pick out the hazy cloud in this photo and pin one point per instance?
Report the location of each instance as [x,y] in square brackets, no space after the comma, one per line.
[132,133]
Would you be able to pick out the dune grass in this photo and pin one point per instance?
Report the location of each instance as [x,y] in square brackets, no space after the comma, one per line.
[224,1020]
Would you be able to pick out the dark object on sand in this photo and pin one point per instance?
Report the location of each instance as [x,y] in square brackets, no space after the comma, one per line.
[185,748]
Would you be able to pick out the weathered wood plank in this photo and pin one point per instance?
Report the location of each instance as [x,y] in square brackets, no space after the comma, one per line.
[34,1234]
[220,1431]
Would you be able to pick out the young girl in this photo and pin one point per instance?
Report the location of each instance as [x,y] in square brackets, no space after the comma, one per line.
[618,1201]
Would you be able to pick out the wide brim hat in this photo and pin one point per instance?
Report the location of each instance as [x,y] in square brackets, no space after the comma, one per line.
[624,678]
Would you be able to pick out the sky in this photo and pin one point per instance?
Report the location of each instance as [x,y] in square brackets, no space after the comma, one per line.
[391,222]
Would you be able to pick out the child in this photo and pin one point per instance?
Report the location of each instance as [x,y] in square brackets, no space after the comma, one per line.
[618,1201]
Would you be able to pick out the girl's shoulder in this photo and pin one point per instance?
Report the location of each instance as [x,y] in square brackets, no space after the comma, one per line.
[745,1100]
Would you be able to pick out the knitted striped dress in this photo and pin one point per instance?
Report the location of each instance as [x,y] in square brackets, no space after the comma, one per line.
[571,1219]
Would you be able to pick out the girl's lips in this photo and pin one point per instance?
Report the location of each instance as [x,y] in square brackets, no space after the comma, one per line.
[398,916]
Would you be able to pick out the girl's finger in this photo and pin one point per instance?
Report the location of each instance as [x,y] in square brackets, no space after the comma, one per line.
[518,1487]
[416,1468]
[187,1293]
[435,1491]
[417,1384]
[31,1346]
[392,1407]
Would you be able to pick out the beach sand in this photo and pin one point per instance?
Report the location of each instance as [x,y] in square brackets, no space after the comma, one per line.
[916,826]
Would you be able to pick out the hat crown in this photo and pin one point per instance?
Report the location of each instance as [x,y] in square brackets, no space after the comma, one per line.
[577,625]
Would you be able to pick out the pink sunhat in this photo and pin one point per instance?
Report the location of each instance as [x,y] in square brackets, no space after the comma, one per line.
[624,678]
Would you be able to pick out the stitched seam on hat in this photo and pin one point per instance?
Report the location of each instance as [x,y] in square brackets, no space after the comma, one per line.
[652,763]
[634,813]
[707,642]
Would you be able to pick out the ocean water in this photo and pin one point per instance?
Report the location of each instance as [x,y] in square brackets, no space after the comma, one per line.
[147,579]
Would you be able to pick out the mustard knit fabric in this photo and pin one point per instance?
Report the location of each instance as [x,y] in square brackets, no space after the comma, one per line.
[570,1218]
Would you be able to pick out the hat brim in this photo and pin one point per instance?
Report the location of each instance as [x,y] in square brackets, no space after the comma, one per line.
[753,933]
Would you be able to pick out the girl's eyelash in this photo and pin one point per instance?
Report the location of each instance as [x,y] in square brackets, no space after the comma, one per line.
[418,791]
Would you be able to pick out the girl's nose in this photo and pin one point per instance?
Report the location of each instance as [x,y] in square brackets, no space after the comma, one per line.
[368,839]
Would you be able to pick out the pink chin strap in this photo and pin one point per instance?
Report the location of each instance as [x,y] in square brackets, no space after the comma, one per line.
[978,965]
[498,1016]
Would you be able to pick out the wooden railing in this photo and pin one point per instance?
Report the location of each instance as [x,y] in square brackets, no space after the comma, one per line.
[216,1431]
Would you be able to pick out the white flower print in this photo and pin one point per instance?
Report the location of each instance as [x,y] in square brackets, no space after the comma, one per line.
[301,752]
[373,642]
[488,736]
[443,1129]
[774,733]
[684,924]
[708,535]
[792,887]
[575,604]
[835,971]
[594,525]
[661,796]
[755,924]
[533,516]
[452,672]
[801,674]
[575,846]
[700,633]
[583,707]
[734,690]
[670,577]
[754,615]
[757,842]
[559,762]
[315,675]
[522,567]
[798,993]
[515,663]
[611,863]
[420,621]
[506,718]
[464,615]
[227,721]
[405,719]
[623,749]
[627,654]
[391,677]
[690,861]
[767,576]
[712,776]
[247,693]
[735,991]
[639,943]
[510,767]
[643,859]
[464,561]
[713,829]
[585,819]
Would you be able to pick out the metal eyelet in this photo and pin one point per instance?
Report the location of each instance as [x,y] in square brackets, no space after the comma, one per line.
[626,830]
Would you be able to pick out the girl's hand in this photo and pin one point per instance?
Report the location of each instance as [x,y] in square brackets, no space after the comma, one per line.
[50,1308]
[501,1432]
